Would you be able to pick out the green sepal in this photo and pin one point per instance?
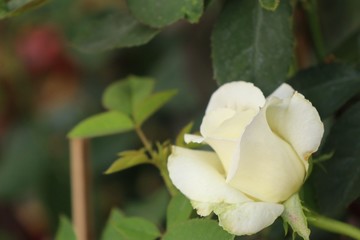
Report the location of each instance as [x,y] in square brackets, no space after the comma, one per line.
[294,215]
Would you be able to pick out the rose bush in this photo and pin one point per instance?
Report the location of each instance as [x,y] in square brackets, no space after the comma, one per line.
[260,159]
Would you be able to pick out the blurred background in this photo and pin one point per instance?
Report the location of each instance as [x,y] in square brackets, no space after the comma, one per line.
[47,86]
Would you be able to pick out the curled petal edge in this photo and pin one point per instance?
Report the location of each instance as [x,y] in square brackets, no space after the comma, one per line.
[242,218]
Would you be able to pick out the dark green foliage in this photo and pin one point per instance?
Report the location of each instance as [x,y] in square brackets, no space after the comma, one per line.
[328,87]
[159,13]
[252,44]
[337,182]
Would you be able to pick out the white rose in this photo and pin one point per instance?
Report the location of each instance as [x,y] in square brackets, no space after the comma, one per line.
[261,155]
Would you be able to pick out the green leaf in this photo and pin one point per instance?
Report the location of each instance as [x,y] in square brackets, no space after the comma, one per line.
[134,228]
[102,124]
[295,217]
[127,160]
[152,208]
[252,44]
[327,87]
[112,31]
[339,20]
[338,185]
[270,5]
[132,96]
[65,231]
[178,211]
[180,137]
[199,229]
[124,94]
[159,13]
[15,7]
[144,109]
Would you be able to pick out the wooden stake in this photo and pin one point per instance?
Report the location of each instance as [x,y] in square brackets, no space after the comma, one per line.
[80,179]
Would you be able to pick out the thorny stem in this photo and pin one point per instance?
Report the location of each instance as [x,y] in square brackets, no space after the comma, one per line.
[157,160]
[169,185]
[334,226]
[161,162]
[143,139]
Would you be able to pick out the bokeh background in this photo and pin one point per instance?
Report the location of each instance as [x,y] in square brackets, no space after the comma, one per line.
[47,86]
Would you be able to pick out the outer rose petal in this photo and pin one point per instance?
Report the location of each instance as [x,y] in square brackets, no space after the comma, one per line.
[267,167]
[297,122]
[248,218]
[283,91]
[204,208]
[237,96]
[199,176]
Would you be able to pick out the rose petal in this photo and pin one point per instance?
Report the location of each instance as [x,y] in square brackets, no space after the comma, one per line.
[200,176]
[267,168]
[296,121]
[222,128]
[213,122]
[225,150]
[237,96]
[282,92]
[224,123]
[204,208]
[248,218]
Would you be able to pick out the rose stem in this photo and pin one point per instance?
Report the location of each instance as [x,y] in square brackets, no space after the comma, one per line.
[165,175]
[143,139]
[334,226]
[157,161]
